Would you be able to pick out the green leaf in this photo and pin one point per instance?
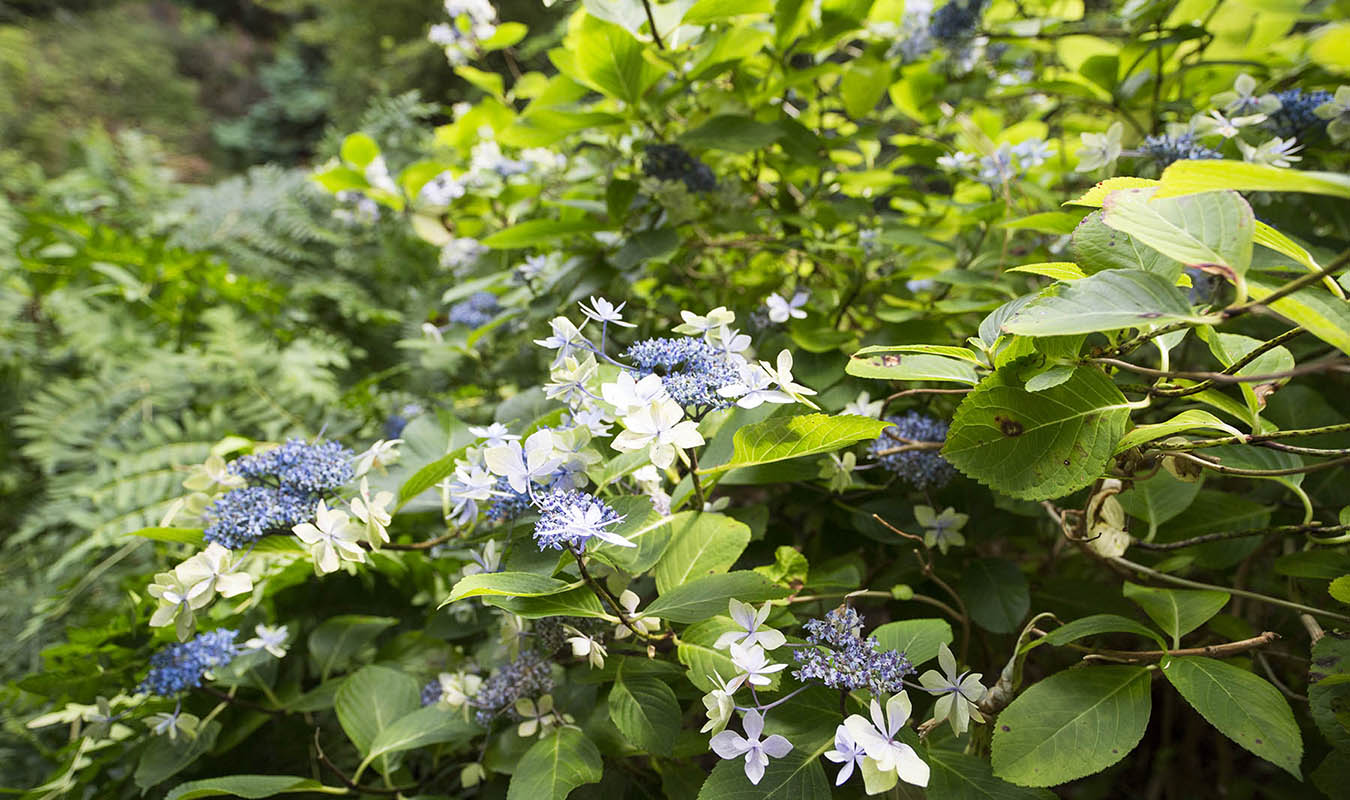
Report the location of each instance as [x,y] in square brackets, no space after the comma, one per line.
[1059,270]
[337,639]
[554,766]
[428,476]
[797,776]
[358,149]
[191,536]
[1177,611]
[1193,176]
[1158,499]
[164,757]
[1072,724]
[611,61]
[733,133]
[705,11]
[996,593]
[491,82]
[1243,707]
[1329,690]
[707,544]
[957,776]
[1267,236]
[337,178]
[781,438]
[883,363]
[578,602]
[1060,223]
[369,702]
[1098,624]
[1109,300]
[1340,589]
[536,232]
[1097,247]
[1211,229]
[645,246]
[250,787]
[862,85]
[1189,420]
[1094,197]
[1038,445]
[704,597]
[918,639]
[511,584]
[1325,316]
[646,528]
[646,712]
[507,34]
[425,726]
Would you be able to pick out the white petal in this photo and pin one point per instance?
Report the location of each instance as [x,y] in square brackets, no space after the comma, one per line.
[910,767]
[728,744]
[777,746]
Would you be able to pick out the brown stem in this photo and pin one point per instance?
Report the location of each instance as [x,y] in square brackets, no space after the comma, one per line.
[351,784]
[427,545]
[908,392]
[1218,537]
[1225,650]
[1291,287]
[651,20]
[236,701]
[613,602]
[926,565]
[1257,438]
[1163,577]
[1261,473]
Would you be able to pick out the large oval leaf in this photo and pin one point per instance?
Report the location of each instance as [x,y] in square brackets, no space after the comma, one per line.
[554,766]
[1111,300]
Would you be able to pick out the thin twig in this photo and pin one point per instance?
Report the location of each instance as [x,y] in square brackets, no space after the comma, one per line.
[651,20]
[1261,473]
[1225,535]
[351,784]
[921,390]
[1291,287]
[613,602]
[427,545]
[1256,438]
[1220,377]
[926,564]
[236,701]
[1163,577]
[1224,650]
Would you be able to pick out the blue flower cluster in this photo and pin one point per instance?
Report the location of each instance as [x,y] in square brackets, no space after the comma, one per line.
[922,468]
[1295,118]
[243,516]
[691,370]
[670,162]
[431,693]
[956,20]
[180,666]
[530,675]
[299,465]
[841,658]
[1164,150]
[288,481]
[570,518]
[475,312]
[508,503]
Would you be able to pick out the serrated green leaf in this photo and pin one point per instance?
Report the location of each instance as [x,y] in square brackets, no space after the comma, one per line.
[704,545]
[1192,176]
[646,712]
[425,726]
[703,597]
[782,438]
[337,639]
[1177,611]
[1245,708]
[369,702]
[554,766]
[957,776]
[1096,247]
[996,594]
[1109,300]
[1059,270]
[1324,315]
[509,584]
[1038,445]
[918,639]
[798,776]
[912,367]
[1214,228]
[1072,724]
[250,787]
[578,602]
[1189,420]
[1098,624]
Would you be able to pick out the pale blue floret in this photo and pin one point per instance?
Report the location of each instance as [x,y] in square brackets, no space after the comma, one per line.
[841,658]
[179,667]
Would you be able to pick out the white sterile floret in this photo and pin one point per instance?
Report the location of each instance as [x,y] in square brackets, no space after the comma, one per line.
[695,325]
[958,692]
[755,667]
[782,309]
[587,647]
[569,380]
[489,560]
[629,601]
[212,475]
[660,427]
[211,571]
[593,419]
[520,466]
[753,630]
[332,538]
[380,455]
[496,434]
[846,752]
[782,375]
[470,486]
[729,340]
[729,744]
[628,394]
[754,388]
[601,310]
[457,688]
[719,703]
[865,406]
[565,339]
[269,638]
[878,739]
[373,513]
[582,523]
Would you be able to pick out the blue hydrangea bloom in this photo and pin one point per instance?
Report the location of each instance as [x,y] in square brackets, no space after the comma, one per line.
[508,504]
[922,468]
[179,667]
[431,693]
[475,312]
[956,20]
[559,512]
[243,516]
[691,370]
[670,162]
[530,675]
[1295,117]
[841,658]
[1164,150]
[299,465]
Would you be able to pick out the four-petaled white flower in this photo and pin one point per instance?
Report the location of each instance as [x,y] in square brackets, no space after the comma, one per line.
[212,475]
[173,606]
[381,454]
[719,704]
[865,406]
[846,752]
[629,601]
[519,465]
[332,538]
[456,690]
[754,665]
[627,394]
[470,486]
[753,631]
[537,715]
[731,341]
[958,692]
[164,722]
[496,434]
[490,560]
[941,530]
[601,310]
[695,325]
[781,374]
[587,647]
[781,309]
[210,571]
[269,638]
[661,428]
[566,338]
[878,740]
[729,744]
[374,513]
[754,389]
[568,381]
